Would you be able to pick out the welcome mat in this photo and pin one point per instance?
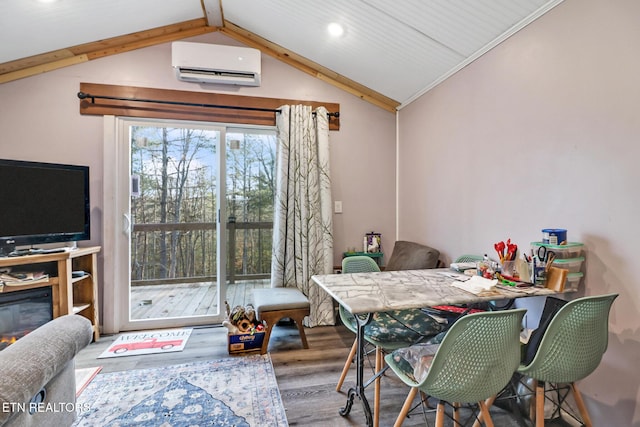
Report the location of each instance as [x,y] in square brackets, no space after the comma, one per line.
[148,342]
[84,377]
[235,391]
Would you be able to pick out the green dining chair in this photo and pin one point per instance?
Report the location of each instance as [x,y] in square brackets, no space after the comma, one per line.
[475,360]
[387,331]
[571,348]
[469,258]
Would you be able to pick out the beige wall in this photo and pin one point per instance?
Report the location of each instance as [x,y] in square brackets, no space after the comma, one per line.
[39,120]
[542,132]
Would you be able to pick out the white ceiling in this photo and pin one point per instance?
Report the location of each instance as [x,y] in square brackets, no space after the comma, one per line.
[399,49]
[35,27]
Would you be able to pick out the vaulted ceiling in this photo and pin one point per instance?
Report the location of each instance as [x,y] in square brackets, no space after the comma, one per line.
[389,53]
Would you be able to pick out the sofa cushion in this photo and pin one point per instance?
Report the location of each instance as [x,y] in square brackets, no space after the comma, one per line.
[412,256]
[398,328]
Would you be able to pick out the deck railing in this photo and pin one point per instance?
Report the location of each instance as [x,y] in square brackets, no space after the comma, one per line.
[261,257]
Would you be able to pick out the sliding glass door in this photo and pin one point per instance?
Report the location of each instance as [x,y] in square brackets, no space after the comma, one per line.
[195,243]
[173,212]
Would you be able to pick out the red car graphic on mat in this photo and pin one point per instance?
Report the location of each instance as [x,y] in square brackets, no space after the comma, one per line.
[147,343]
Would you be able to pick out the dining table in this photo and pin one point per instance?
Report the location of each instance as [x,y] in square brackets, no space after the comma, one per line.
[363,294]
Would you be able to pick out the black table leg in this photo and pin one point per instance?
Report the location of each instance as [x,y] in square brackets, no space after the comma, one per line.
[358,390]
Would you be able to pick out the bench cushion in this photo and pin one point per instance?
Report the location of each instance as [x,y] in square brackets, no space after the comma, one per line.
[274,299]
[398,328]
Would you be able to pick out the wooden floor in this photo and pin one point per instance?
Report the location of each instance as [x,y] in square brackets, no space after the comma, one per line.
[306,378]
[188,299]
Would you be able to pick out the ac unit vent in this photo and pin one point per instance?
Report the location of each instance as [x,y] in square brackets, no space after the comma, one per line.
[209,63]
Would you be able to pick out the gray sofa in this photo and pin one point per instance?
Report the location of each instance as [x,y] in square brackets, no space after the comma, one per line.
[39,367]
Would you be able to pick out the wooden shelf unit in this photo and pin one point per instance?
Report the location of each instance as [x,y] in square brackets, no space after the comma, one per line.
[71,295]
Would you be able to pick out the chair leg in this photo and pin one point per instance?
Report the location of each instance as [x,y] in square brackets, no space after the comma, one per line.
[581,406]
[532,401]
[484,412]
[488,403]
[424,398]
[347,365]
[406,407]
[299,319]
[456,414]
[376,388]
[540,404]
[267,334]
[440,415]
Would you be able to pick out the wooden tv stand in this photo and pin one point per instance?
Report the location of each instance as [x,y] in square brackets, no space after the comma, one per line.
[71,295]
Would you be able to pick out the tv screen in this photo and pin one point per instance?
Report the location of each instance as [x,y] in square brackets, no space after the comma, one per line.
[43,203]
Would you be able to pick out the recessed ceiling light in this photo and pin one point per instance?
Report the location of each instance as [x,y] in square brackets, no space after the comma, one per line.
[335,29]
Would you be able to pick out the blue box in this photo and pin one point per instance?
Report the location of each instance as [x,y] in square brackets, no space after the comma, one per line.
[242,343]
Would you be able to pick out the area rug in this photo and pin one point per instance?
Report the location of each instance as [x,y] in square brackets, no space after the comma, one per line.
[147,342]
[235,391]
[84,377]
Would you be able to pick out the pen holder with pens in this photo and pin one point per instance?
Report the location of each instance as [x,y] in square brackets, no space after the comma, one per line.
[538,271]
[518,269]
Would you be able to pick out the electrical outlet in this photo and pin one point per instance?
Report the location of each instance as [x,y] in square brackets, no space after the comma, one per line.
[337,206]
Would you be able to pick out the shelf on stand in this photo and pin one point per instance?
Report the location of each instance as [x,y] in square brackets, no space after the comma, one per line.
[77,308]
[70,294]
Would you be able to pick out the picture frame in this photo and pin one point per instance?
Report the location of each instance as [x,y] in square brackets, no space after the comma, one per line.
[374,242]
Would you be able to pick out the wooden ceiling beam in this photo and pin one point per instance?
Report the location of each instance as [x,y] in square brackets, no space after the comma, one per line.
[142,39]
[49,61]
[308,66]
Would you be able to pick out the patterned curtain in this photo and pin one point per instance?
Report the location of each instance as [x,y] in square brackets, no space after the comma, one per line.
[302,224]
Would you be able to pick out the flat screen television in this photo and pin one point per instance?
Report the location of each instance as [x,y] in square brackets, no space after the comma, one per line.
[43,203]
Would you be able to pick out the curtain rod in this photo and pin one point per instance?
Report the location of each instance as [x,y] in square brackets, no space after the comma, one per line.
[83,95]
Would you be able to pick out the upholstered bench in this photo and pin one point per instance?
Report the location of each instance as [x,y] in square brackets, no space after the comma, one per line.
[273,304]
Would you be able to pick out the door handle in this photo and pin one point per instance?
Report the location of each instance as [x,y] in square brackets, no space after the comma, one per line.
[127,224]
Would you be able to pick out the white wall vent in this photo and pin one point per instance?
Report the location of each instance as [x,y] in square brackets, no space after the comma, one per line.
[214,63]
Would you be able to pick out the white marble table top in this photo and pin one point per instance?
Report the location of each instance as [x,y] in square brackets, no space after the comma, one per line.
[406,289]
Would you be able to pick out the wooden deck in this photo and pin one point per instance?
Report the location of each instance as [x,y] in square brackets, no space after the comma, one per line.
[188,299]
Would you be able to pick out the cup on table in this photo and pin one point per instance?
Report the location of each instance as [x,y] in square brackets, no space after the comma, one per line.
[509,268]
[539,273]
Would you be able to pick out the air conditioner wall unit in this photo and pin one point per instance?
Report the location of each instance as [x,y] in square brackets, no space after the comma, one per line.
[214,63]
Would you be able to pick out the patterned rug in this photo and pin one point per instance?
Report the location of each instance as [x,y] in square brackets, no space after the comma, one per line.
[84,376]
[236,391]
